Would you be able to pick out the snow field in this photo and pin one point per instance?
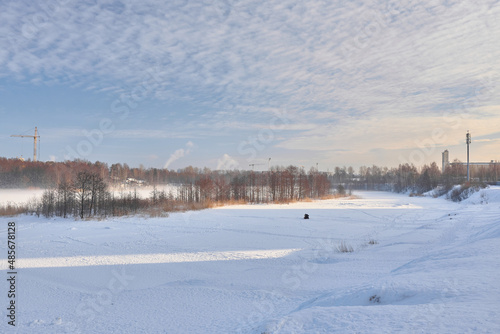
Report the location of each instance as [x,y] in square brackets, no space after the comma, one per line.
[263,269]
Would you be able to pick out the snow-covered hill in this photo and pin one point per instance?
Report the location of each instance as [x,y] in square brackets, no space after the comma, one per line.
[419,265]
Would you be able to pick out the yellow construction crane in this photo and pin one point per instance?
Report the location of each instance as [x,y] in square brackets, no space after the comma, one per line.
[35,137]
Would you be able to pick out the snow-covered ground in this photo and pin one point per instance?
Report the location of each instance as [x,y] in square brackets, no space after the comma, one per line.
[420,265]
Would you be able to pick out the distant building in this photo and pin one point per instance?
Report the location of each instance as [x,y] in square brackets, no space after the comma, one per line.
[134,182]
[446,160]
[480,164]
[475,166]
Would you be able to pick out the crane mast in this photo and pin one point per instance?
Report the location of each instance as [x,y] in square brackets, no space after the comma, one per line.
[35,138]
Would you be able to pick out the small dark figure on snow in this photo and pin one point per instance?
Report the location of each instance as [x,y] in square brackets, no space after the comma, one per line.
[306,216]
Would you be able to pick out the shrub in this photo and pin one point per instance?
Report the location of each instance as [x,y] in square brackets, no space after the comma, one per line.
[12,210]
[344,248]
[341,190]
[155,212]
[464,191]
[441,190]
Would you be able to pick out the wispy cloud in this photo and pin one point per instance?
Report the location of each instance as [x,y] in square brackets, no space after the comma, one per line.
[337,67]
[182,152]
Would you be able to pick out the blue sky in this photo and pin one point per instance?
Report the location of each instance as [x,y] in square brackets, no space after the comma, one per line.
[225,84]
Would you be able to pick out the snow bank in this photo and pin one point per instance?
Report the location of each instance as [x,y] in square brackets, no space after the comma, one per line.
[485,196]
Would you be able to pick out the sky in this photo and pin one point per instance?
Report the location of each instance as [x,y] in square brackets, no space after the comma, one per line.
[246,84]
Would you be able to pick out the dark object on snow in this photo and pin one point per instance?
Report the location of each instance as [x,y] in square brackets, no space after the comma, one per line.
[306,216]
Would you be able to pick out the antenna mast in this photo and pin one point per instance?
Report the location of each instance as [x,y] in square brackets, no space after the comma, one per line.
[468,140]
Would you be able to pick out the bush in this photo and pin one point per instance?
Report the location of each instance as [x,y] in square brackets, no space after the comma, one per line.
[341,190]
[464,191]
[441,190]
[12,209]
[344,248]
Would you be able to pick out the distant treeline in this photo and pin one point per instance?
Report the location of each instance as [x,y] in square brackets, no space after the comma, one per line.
[408,178]
[80,188]
[279,184]
[15,173]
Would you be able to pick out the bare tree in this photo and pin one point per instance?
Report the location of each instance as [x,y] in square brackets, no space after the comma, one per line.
[97,189]
[65,199]
[83,186]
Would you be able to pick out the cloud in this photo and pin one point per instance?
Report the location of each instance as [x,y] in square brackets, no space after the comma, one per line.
[390,140]
[285,52]
[227,163]
[152,134]
[179,154]
[335,66]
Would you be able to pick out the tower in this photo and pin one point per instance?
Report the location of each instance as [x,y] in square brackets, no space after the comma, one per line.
[468,141]
[446,160]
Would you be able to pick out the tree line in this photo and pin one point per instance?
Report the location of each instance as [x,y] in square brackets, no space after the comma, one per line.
[15,173]
[87,196]
[409,178]
[82,189]
[91,191]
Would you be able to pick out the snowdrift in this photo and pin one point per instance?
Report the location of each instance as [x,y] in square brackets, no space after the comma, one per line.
[490,195]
